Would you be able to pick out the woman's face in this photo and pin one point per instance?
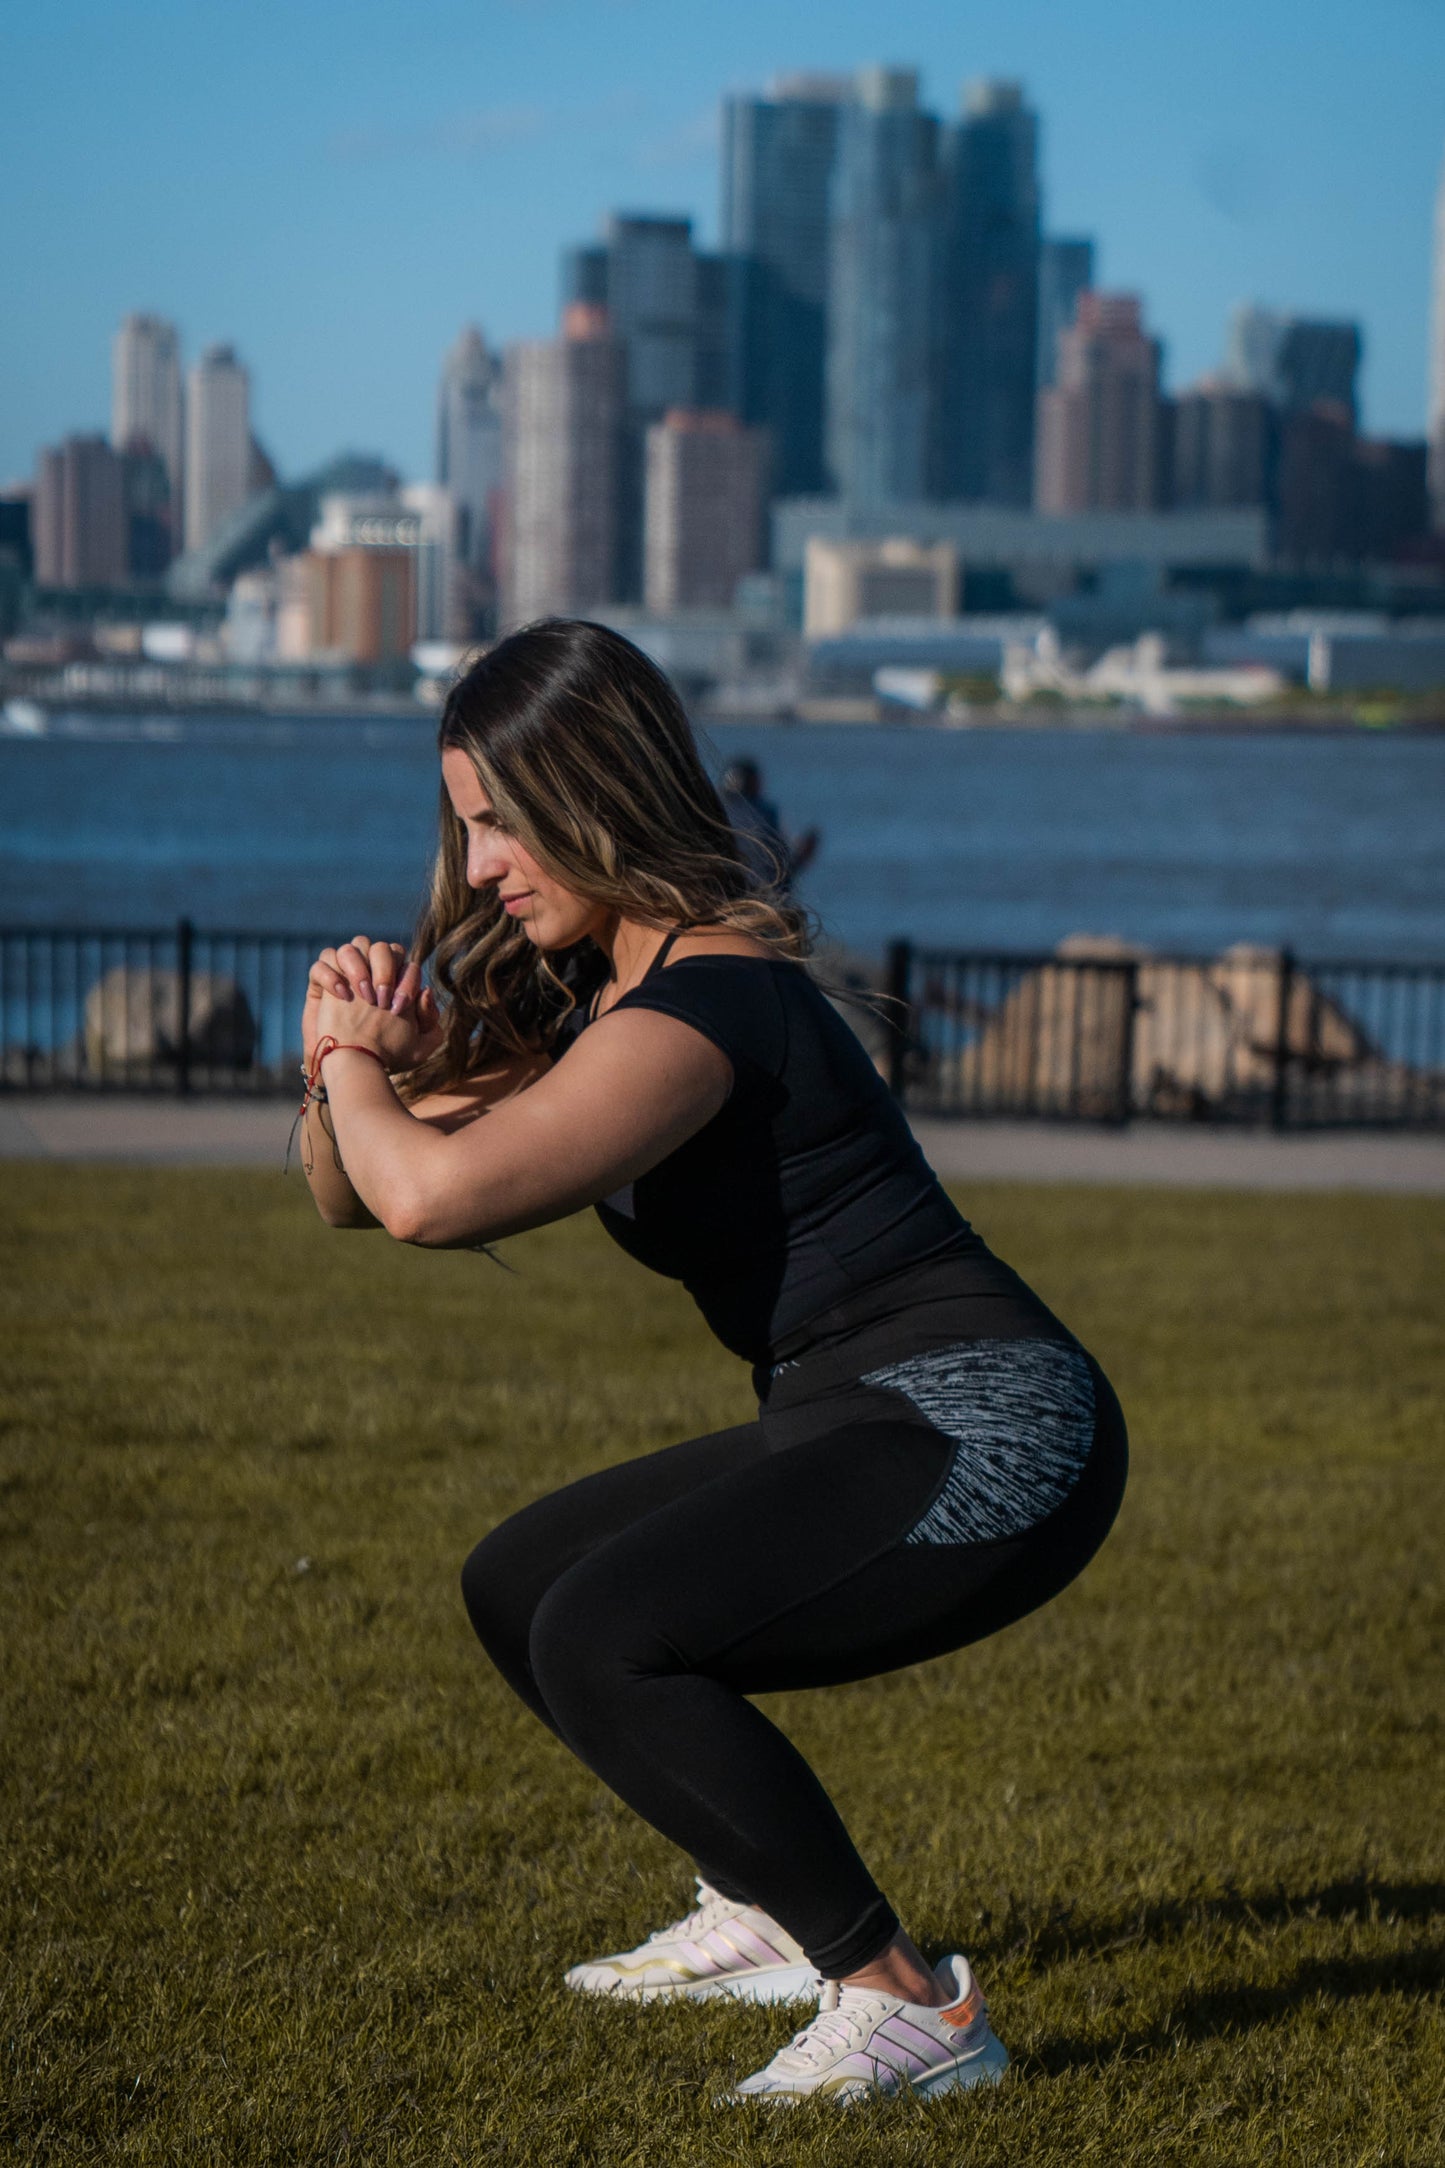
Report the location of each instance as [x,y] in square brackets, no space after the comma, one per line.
[550,914]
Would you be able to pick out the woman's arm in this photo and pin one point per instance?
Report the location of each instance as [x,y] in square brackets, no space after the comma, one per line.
[633,1088]
[445,1112]
[325,1173]
[375,974]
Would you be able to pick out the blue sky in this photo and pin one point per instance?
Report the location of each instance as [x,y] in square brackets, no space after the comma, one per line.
[338,187]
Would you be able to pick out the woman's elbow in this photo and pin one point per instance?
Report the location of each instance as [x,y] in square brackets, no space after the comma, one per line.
[413,1217]
[435,1223]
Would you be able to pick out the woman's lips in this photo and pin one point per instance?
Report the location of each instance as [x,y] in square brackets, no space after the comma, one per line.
[514,903]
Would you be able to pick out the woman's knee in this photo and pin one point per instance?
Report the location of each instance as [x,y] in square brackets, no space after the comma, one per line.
[500,1592]
[589,1642]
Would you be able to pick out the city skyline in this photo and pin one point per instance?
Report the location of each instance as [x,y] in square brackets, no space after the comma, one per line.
[1349,170]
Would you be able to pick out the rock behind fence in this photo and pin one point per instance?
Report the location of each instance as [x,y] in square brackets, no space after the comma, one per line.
[140,1020]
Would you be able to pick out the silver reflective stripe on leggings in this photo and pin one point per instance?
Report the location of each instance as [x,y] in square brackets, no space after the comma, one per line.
[1021,1414]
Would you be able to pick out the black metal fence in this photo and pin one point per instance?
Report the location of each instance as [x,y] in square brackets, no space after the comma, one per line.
[1251,1036]
[175,1010]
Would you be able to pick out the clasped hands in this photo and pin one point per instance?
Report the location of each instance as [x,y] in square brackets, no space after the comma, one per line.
[365,993]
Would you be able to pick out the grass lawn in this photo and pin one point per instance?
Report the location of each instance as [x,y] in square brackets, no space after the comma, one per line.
[289,1878]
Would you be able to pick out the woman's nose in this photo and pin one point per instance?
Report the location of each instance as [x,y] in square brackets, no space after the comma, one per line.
[486,861]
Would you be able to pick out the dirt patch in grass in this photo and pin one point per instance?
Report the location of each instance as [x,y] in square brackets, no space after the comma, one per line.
[290,1878]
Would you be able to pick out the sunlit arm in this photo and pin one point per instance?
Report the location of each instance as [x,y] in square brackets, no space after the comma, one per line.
[440,1113]
[633,1088]
[326,1177]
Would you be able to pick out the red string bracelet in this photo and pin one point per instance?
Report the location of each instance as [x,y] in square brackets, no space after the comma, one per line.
[327,1046]
[313,1081]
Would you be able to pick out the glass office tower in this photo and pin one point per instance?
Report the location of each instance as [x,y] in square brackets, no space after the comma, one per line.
[990,298]
[885,205]
[777,165]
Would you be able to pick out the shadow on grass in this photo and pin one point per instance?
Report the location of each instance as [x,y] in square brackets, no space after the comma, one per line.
[1220,2013]
[1216,2013]
[1063,1935]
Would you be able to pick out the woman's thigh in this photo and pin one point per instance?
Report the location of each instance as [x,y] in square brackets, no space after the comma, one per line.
[511,1569]
[805,1566]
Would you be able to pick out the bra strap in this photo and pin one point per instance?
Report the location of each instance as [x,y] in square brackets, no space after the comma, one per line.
[656,965]
[664,952]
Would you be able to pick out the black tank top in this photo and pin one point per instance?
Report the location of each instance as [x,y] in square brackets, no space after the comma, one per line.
[804,1216]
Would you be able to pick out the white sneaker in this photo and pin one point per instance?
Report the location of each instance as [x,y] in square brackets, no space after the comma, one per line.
[722,1948]
[863,2043]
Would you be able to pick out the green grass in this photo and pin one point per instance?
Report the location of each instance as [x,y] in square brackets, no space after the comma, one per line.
[289,1878]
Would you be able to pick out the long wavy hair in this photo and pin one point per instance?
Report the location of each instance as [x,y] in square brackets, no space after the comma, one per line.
[582,746]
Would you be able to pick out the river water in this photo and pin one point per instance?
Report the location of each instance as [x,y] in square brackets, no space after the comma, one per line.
[983,839]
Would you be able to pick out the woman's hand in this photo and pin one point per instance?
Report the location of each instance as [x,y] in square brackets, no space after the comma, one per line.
[375,973]
[395,1037]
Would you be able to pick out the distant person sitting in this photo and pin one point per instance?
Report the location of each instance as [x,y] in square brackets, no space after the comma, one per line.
[773,858]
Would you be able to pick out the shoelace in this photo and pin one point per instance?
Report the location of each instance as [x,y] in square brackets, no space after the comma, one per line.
[839,2027]
[714,1909]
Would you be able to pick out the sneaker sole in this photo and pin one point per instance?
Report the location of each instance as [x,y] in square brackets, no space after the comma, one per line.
[986,2066]
[771,1984]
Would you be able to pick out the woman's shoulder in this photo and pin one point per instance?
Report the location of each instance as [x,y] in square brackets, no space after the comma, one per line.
[719,941]
[728,987]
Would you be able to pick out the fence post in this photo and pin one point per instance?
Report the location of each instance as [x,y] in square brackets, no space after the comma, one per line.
[185,944]
[1129,994]
[900,1013]
[1279,1096]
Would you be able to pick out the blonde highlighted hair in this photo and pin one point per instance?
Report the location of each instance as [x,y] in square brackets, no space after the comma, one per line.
[584,751]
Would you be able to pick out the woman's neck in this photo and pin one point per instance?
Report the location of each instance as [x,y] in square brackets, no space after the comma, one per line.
[629,946]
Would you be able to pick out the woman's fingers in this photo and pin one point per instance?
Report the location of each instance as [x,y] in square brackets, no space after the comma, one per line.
[355,961]
[387,958]
[327,977]
[371,967]
[407,990]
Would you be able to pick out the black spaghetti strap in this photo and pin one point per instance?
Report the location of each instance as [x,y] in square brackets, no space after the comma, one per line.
[664,952]
[656,965]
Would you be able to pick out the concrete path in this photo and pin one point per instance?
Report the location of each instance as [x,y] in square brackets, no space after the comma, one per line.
[1183,1156]
[218,1132]
[141,1131]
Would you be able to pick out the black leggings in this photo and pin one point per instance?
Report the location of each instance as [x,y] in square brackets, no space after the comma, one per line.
[886,1521]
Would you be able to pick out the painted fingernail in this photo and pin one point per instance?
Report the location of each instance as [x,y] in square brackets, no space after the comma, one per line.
[366,990]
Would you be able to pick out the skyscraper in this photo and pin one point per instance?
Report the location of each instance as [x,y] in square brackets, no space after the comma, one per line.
[1223,446]
[666,304]
[1435,426]
[361,573]
[644,273]
[564,410]
[78,517]
[441,606]
[777,165]
[1066,269]
[706,479]
[1099,425]
[218,443]
[884,229]
[1316,522]
[988,337]
[145,401]
[1251,351]
[469,442]
[1319,361]
[150,511]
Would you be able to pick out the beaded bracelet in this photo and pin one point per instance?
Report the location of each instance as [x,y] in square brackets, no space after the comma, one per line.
[316,1093]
